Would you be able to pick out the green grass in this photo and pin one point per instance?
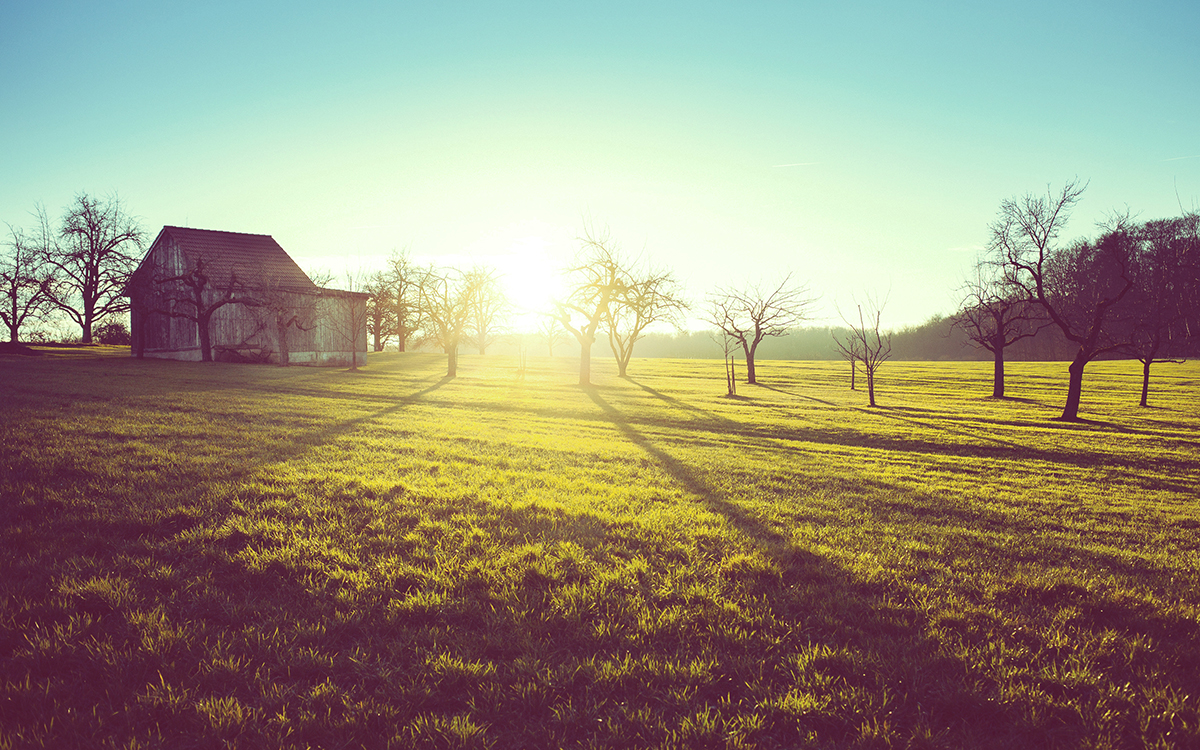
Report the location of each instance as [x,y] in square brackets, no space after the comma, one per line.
[226,555]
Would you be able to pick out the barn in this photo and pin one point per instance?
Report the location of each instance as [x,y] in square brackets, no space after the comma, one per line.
[204,295]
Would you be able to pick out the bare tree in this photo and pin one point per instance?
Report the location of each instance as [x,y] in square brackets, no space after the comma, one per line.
[851,350]
[551,331]
[752,314]
[194,295]
[405,280]
[26,280]
[100,246]
[284,310]
[650,296]
[596,279]
[996,314]
[349,314]
[872,347]
[381,308]
[446,305]
[489,308]
[1078,287]
[728,349]
[1167,267]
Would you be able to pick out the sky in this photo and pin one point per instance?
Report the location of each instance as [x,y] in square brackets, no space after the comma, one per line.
[861,147]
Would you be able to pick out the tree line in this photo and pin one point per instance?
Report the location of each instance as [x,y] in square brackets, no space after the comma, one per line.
[1131,291]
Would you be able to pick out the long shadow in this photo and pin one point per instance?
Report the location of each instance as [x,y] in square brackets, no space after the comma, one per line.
[686,477]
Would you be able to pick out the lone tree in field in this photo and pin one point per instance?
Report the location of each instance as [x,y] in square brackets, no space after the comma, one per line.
[650,296]
[596,280]
[867,341]
[446,304]
[1078,287]
[995,314]
[1166,296]
[26,281]
[750,315]
[98,247]
[489,308]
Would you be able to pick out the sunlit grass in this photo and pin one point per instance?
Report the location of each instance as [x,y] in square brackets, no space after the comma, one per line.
[263,556]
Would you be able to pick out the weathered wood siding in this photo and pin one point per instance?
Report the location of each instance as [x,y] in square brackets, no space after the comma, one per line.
[334,329]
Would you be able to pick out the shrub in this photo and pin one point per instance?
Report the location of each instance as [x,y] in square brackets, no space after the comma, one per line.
[113,332]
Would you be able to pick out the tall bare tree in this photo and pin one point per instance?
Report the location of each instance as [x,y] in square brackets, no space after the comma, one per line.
[866,339]
[284,310]
[650,296]
[99,246]
[348,314]
[194,295]
[1167,269]
[489,308]
[850,348]
[551,331]
[752,314]
[405,280]
[995,314]
[596,279]
[381,309]
[447,298]
[26,280]
[1078,287]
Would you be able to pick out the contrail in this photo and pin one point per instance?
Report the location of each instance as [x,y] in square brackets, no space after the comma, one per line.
[1179,158]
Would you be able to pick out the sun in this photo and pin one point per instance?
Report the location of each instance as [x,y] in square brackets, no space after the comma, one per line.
[532,278]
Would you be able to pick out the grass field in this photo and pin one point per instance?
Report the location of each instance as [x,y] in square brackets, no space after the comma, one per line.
[220,555]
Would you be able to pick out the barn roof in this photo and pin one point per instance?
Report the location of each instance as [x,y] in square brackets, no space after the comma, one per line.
[256,259]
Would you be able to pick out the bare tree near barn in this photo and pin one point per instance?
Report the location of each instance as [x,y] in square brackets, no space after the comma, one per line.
[405,280]
[551,332]
[99,247]
[192,295]
[446,304]
[1168,271]
[596,280]
[381,309]
[867,340]
[347,314]
[650,296]
[995,314]
[26,280]
[1079,287]
[752,314]
[489,308]
[285,310]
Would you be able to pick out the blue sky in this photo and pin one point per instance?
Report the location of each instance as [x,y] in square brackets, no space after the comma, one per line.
[484,133]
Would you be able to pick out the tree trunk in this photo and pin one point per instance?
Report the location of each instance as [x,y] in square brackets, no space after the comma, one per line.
[870,386]
[998,372]
[378,342]
[284,352]
[622,365]
[1146,380]
[750,374]
[452,362]
[853,372]
[1074,387]
[205,339]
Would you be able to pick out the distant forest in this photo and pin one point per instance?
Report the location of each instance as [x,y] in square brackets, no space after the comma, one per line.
[937,339]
